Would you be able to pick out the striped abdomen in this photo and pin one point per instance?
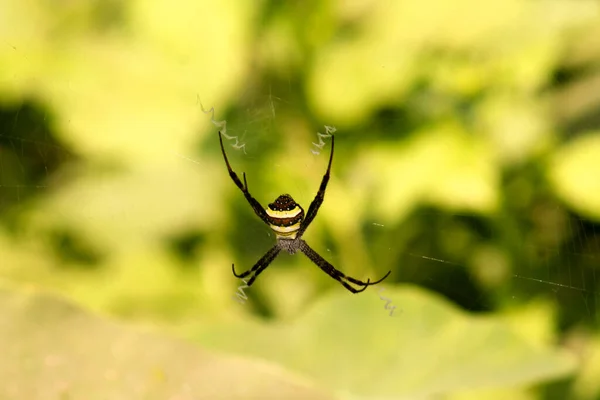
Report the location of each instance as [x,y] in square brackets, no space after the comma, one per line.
[285,216]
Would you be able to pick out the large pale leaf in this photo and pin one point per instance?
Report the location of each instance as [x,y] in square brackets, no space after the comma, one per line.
[51,350]
[352,345]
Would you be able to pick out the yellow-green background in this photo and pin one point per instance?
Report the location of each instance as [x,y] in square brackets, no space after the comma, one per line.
[467,162]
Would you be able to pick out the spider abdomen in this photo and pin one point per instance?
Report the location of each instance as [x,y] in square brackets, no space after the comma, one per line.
[285,216]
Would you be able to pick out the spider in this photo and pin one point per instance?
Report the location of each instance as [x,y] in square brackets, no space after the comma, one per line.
[287,219]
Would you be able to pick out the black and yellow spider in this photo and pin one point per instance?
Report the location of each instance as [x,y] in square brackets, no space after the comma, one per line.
[286,218]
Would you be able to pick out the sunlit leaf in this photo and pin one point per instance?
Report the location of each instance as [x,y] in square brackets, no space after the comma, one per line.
[575,174]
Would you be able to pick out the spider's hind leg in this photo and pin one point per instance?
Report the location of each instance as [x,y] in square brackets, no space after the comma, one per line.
[368,282]
[260,266]
[333,272]
[242,275]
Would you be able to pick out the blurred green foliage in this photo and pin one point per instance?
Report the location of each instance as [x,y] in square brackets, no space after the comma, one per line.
[466,162]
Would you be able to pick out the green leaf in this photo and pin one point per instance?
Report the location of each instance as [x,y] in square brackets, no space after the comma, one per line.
[575,174]
[52,350]
[352,345]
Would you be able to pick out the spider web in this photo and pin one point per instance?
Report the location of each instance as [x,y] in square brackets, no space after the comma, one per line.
[31,156]
[566,273]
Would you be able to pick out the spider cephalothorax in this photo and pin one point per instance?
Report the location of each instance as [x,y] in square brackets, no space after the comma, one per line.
[287,219]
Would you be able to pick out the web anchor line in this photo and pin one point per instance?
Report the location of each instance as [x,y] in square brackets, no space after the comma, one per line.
[329,130]
[222,125]
[561,285]
[23,186]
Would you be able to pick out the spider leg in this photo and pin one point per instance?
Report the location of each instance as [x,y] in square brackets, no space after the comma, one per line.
[368,282]
[260,266]
[318,200]
[258,209]
[334,273]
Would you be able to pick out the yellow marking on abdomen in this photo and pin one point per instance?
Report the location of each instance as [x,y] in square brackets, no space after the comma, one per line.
[288,232]
[283,214]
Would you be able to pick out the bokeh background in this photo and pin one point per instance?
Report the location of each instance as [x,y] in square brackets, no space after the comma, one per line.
[467,162]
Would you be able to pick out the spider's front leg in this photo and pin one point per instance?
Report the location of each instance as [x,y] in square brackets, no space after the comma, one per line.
[258,209]
[318,200]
